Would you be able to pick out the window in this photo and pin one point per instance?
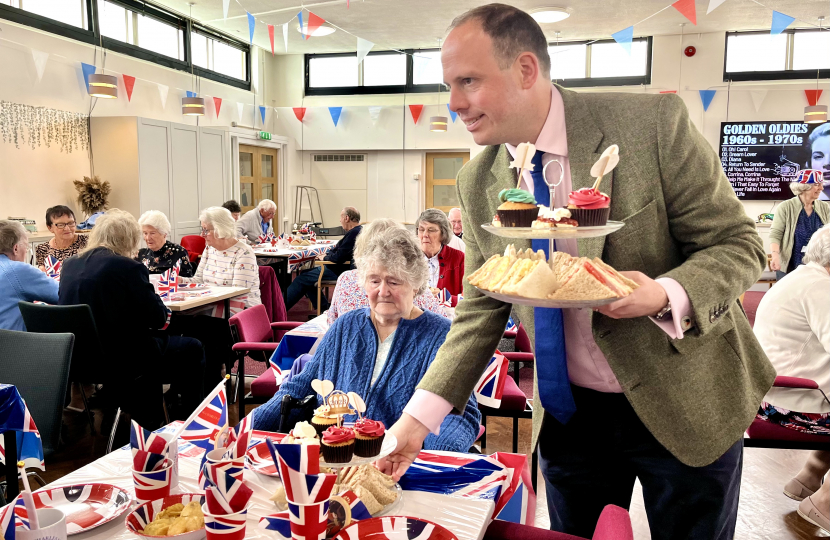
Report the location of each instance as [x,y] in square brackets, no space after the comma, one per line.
[213,54]
[333,71]
[71,12]
[611,60]
[601,63]
[568,61]
[793,54]
[144,31]
[427,68]
[384,70]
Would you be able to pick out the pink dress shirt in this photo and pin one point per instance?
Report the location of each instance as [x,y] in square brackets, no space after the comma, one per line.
[587,366]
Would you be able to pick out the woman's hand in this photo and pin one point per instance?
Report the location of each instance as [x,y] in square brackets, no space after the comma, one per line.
[775,263]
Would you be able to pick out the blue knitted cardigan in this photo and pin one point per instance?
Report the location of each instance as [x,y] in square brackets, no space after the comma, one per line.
[347,355]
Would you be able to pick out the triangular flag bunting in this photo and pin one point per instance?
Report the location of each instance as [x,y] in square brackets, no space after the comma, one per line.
[88,70]
[758,98]
[706,97]
[415,110]
[668,91]
[225,5]
[812,96]
[363,48]
[285,35]
[624,38]
[453,114]
[251,26]
[713,5]
[217,102]
[300,17]
[374,114]
[314,23]
[299,112]
[262,114]
[163,94]
[779,22]
[40,59]
[190,94]
[240,108]
[687,9]
[129,84]
[335,114]
[271,37]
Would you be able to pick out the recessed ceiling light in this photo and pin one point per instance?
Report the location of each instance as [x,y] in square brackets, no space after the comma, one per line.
[323,30]
[548,14]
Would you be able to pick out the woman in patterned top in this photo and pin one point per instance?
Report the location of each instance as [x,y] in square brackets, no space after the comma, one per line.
[349,294]
[60,220]
[160,253]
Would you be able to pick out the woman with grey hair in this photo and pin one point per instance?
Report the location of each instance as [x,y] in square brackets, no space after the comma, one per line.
[382,351]
[446,264]
[793,326]
[795,221]
[19,281]
[160,253]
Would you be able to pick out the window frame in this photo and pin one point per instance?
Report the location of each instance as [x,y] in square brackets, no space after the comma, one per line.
[587,82]
[786,74]
[53,26]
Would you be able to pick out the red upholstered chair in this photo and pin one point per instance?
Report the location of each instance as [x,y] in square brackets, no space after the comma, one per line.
[195,246]
[256,337]
[750,304]
[523,353]
[763,434]
[614,524]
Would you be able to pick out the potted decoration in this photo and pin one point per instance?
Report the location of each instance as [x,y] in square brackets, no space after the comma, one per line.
[92,194]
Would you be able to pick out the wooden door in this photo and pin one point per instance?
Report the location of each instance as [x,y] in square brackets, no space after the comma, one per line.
[258,176]
[442,169]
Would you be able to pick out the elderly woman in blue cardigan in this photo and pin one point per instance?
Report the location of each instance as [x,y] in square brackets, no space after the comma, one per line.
[382,352]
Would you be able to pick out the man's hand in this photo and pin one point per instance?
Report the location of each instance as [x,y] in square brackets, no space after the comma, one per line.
[410,434]
[645,301]
[775,263]
[321,257]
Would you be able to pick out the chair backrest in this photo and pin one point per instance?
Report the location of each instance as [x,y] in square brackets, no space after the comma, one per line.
[193,242]
[266,289]
[750,304]
[522,340]
[38,365]
[253,324]
[88,364]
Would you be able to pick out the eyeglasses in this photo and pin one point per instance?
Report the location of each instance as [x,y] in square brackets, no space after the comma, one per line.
[205,231]
[428,231]
[62,226]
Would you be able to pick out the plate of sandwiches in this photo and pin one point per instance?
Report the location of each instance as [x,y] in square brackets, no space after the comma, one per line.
[528,278]
[554,232]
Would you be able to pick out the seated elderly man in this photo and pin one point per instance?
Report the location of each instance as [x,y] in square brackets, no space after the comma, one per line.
[19,281]
[339,255]
[382,352]
[160,253]
[456,242]
[257,221]
[793,326]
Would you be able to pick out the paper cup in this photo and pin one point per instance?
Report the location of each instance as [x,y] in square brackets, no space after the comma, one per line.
[308,521]
[153,485]
[225,527]
[52,526]
[172,455]
[233,467]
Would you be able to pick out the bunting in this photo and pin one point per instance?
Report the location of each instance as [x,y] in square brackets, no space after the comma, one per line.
[285,35]
[335,114]
[299,112]
[240,108]
[225,5]
[217,103]
[251,26]
[706,97]
[262,114]
[129,84]
[415,111]
[779,22]
[300,17]
[87,69]
[189,93]
[713,5]
[374,114]
[812,96]
[40,59]
[314,22]
[163,94]
[271,37]
[624,38]
[453,114]
[758,97]
[363,48]
[687,9]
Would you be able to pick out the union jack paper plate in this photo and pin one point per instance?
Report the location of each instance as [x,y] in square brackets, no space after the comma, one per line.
[192,286]
[139,518]
[86,506]
[394,528]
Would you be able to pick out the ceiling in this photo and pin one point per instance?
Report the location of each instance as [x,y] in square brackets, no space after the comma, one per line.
[403,24]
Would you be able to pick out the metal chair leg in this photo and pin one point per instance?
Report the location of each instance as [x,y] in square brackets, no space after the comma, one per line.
[114,427]
[86,409]
[483,438]
[515,434]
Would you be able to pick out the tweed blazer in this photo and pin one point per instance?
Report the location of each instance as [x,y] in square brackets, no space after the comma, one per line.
[697,395]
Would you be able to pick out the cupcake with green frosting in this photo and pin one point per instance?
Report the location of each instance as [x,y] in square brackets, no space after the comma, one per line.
[518,208]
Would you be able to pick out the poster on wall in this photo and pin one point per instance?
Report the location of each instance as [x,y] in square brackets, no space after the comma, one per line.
[762,158]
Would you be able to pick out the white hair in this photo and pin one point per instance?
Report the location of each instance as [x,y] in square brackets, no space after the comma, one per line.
[798,188]
[221,220]
[266,204]
[453,210]
[157,220]
[397,251]
[818,249]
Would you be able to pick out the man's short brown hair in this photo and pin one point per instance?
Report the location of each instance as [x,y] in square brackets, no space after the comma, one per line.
[513,32]
[353,214]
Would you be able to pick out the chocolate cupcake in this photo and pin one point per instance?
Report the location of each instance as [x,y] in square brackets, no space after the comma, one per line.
[338,445]
[369,435]
[518,208]
[589,207]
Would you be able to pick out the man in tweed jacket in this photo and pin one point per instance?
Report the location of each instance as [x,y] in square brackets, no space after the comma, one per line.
[663,401]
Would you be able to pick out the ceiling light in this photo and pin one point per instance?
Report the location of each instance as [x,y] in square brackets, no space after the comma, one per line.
[548,14]
[323,30]
[815,114]
[438,124]
[193,106]
[103,86]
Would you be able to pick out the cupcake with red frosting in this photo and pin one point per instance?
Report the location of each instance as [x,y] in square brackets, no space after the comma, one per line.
[369,436]
[589,207]
[337,445]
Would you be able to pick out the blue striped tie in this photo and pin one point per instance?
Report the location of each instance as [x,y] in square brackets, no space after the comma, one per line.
[551,363]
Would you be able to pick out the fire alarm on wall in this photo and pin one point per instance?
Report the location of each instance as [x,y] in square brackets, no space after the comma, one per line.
[689,51]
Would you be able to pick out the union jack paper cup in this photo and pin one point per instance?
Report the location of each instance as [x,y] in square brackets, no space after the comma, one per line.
[153,485]
[172,455]
[308,521]
[233,467]
[52,526]
[225,527]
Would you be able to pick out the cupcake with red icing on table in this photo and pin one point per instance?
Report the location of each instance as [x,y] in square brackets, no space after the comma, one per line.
[338,444]
[589,207]
[369,435]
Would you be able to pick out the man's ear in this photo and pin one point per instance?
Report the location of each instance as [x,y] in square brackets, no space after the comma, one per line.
[527,66]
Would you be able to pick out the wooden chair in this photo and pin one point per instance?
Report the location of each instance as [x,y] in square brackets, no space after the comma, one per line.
[324,283]
[768,280]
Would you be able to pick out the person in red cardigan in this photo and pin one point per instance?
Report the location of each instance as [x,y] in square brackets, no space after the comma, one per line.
[446,265]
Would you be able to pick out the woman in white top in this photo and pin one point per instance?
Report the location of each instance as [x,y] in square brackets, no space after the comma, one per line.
[793,325]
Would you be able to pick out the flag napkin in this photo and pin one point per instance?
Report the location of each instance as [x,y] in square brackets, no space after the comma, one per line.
[304,458]
[312,236]
[169,281]
[445,298]
[144,439]
[301,487]
[225,494]
[53,267]
[240,438]
[144,461]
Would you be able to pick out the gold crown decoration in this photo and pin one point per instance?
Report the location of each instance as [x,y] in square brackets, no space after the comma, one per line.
[339,403]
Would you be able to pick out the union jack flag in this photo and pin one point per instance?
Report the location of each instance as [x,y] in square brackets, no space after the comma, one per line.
[16,517]
[152,485]
[230,527]
[511,326]
[264,238]
[144,439]
[810,176]
[53,267]
[490,387]
[359,510]
[207,420]
[226,494]
[312,236]
[445,298]
[305,488]
[240,437]
[309,522]
[169,281]
[304,458]
[147,461]
[278,375]
[17,417]
[279,523]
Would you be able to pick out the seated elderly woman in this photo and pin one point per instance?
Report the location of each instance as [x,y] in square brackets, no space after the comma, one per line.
[161,254]
[60,220]
[19,281]
[127,310]
[793,326]
[349,293]
[446,264]
[382,352]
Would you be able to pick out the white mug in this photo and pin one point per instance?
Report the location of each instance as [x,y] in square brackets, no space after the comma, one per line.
[52,526]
